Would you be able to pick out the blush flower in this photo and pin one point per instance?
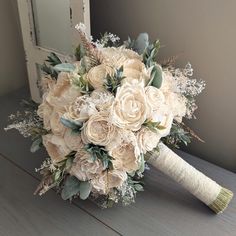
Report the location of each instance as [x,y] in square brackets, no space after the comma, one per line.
[56,147]
[84,167]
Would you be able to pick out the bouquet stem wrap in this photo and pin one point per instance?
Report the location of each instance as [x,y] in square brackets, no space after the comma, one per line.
[205,189]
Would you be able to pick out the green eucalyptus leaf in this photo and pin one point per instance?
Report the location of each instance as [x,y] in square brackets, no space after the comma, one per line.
[71,124]
[79,52]
[57,175]
[142,164]
[53,59]
[69,162]
[65,67]
[141,43]
[36,145]
[84,190]
[156,76]
[71,188]
[138,187]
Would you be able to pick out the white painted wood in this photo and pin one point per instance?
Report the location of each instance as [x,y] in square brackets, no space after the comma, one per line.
[79,12]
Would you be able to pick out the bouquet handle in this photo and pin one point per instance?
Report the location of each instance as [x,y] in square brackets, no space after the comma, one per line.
[205,189]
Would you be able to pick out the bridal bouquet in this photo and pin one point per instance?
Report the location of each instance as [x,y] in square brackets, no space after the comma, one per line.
[108,113]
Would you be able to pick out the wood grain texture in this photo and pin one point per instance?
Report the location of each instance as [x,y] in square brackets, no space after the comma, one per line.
[24,214]
[164,209]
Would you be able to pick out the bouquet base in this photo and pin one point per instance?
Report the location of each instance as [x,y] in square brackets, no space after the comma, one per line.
[222,201]
[205,189]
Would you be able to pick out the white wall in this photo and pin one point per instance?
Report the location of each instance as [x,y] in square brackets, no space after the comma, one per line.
[12,63]
[204,31]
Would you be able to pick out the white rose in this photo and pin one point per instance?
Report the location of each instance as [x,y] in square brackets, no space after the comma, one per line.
[82,108]
[62,93]
[134,64]
[97,75]
[155,98]
[125,151]
[161,110]
[72,140]
[134,71]
[108,180]
[133,68]
[147,139]
[84,167]
[56,147]
[98,130]
[165,120]
[130,108]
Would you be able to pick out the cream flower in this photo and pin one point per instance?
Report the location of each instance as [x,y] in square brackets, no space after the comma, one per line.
[155,98]
[130,108]
[98,130]
[73,141]
[147,139]
[165,120]
[62,93]
[84,167]
[57,127]
[116,178]
[125,151]
[168,82]
[116,57]
[47,83]
[177,104]
[81,109]
[108,180]
[102,99]
[97,75]
[45,112]
[134,71]
[56,147]
[134,64]
[161,111]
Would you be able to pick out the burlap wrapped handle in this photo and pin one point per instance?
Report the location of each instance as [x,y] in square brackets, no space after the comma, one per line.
[205,189]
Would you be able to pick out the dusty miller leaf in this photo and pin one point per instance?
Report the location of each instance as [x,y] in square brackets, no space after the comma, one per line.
[71,188]
[84,190]
[36,145]
[65,67]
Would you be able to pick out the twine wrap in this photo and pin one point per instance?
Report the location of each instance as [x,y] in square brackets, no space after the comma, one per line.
[202,187]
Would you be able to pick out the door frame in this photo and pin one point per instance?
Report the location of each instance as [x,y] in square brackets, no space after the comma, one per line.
[36,55]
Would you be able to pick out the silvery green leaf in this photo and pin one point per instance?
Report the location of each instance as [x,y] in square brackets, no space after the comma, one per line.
[138,187]
[37,143]
[65,67]
[142,164]
[156,76]
[69,162]
[71,188]
[84,190]
[57,175]
[141,43]
[71,124]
